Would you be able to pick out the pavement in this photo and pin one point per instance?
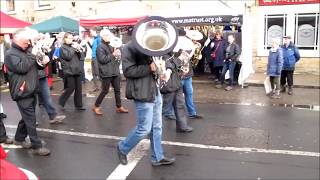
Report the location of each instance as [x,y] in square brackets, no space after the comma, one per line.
[244,135]
[257,79]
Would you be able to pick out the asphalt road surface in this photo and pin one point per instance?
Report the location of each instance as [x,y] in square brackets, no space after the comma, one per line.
[233,141]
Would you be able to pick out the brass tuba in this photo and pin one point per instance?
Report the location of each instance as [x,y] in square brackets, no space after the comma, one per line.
[155,36]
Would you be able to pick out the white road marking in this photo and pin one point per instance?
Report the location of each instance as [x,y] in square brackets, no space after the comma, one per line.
[122,172]
[6,150]
[202,146]
[11,146]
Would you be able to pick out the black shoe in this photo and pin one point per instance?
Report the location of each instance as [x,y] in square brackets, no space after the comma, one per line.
[170,118]
[122,157]
[187,129]
[80,108]
[41,151]
[3,116]
[196,117]
[7,141]
[24,144]
[164,161]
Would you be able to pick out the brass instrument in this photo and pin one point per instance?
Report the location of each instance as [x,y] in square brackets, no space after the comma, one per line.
[116,43]
[197,56]
[155,36]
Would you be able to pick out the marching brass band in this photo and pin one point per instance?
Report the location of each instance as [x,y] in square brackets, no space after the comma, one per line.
[158,66]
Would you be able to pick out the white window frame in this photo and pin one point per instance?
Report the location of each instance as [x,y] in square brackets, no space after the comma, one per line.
[9,11]
[316,32]
[290,11]
[39,7]
[270,16]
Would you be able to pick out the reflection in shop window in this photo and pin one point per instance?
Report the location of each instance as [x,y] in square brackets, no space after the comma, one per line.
[307,31]
[275,27]
[10,5]
[42,3]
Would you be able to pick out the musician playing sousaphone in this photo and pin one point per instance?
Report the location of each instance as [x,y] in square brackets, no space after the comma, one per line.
[153,38]
[108,62]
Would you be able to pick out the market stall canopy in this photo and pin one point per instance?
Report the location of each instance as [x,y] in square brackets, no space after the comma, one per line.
[117,13]
[9,24]
[109,21]
[57,24]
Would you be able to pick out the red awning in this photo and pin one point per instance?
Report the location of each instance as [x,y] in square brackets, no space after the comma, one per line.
[110,21]
[8,23]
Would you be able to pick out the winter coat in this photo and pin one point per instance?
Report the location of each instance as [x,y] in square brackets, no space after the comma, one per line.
[141,85]
[233,53]
[22,72]
[108,66]
[275,62]
[220,52]
[96,42]
[291,55]
[174,82]
[70,59]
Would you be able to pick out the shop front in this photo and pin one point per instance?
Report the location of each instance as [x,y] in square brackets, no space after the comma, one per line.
[298,19]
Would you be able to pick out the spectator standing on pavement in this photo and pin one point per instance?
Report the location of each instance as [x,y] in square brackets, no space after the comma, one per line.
[218,53]
[274,67]
[291,56]
[70,59]
[233,52]
[94,63]
[109,72]
[23,65]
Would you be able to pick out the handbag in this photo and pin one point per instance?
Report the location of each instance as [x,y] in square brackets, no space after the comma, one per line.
[213,54]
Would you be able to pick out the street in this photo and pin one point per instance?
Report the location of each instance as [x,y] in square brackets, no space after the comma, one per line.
[233,141]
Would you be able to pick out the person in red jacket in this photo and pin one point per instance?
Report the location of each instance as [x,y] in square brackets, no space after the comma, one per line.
[11,171]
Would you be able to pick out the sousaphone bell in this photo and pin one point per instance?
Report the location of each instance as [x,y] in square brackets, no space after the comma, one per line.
[155,36]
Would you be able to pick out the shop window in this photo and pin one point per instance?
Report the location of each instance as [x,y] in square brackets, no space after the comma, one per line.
[307,31]
[42,4]
[275,28]
[10,5]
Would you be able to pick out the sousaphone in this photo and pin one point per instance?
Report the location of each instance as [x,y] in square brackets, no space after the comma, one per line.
[155,36]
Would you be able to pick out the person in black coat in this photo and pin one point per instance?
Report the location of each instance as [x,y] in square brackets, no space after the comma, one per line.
[108,63]
[71,66]
[172,93]
[23,63]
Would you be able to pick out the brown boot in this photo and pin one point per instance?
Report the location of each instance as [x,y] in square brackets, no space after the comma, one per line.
[122,110]
[97,110]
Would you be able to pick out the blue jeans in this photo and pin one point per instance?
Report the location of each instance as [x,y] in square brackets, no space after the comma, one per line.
[228,65]
[149,121]
[188,95]
[46,98]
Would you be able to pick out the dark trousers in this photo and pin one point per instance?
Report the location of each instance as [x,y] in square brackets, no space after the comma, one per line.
[74,85]
[95,72]
[228,65]
[176,100]
[27,125]
[275,82]
[115,81]
[3,134]
[287,77]
[83,78]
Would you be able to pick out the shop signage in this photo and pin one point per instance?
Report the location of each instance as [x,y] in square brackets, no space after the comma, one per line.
[286,2]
